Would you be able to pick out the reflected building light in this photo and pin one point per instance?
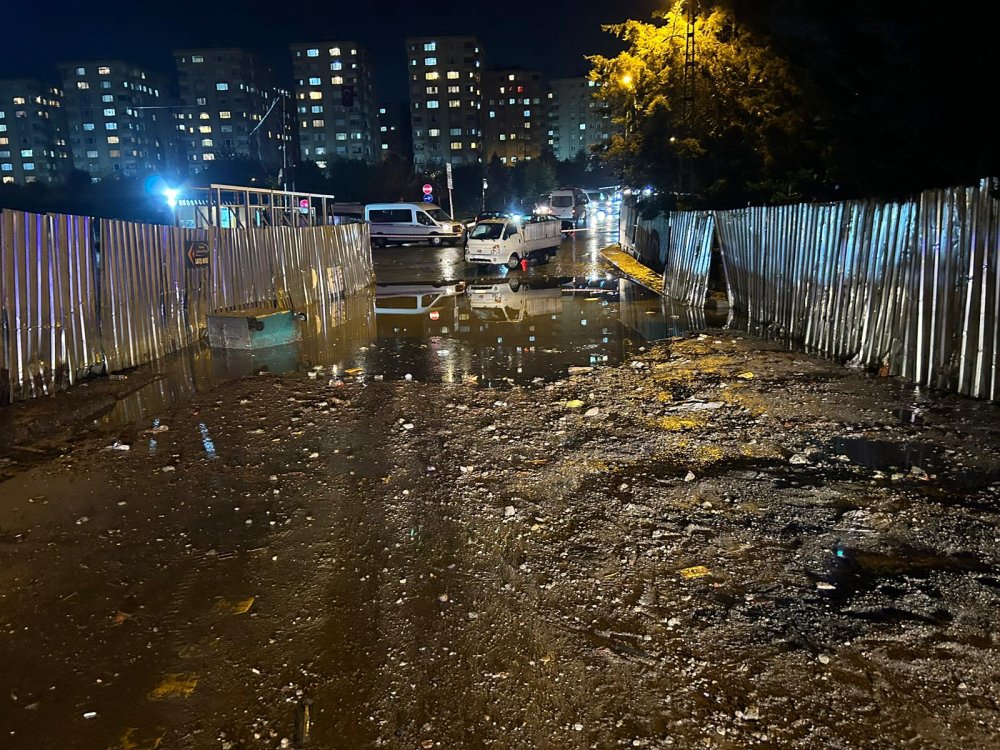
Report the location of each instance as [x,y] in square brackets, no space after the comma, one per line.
[206,440]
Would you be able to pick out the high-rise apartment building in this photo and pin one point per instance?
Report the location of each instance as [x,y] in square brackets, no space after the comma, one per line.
[232,108]
[117,121]
[576,120]
[445,99]
[33,146]
[335,102]
[515,115]
[395,136]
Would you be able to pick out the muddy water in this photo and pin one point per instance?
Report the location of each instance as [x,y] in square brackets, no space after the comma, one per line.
[490,330]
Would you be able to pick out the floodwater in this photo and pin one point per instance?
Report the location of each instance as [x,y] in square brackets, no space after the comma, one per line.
[433,317]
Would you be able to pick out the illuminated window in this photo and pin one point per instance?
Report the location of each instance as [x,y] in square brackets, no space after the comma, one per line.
[455,131]
[317,109]
[28,166]
[334,51]
[454,89]
[503,137]
[107,98]
[430,46]
[27,152]
[225,115]
[204,116]
[456,146]
[336,65]
[314,95]
[82,85]
[317,123]
[222,87]
[430,61]
[204,128]
[91,154]
[453,74]
[492,114]
[432,75]
[454,103]
[315,81]
[583,126]
[88,126]
[208,157]
[432,90]
[111,126]
[200,100]
[433,132]
[206,142]
[337,80]
[104,70]
[197,59]
[312,52]
[433,104]
[110,112]
[81,71]
[113,139]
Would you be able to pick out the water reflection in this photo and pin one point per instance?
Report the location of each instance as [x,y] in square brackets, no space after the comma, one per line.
[493,330]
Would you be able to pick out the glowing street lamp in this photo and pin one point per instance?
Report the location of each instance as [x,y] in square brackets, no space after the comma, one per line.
[171,195]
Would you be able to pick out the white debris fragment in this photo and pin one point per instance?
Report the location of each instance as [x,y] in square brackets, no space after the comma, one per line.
[799,459]
[689,477]
[509,511]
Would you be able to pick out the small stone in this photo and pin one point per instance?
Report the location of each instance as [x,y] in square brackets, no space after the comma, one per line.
[689,477]
[509,511]
[799,459]
[823,659]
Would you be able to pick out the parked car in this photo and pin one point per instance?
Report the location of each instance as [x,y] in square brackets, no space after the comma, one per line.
[569,205]
[420,223]
[506,241]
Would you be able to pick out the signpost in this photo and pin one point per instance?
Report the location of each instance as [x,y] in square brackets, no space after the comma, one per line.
[428,189]
[197,253]
[451,207]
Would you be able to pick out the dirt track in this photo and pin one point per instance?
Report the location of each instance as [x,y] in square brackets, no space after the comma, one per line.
[719,544]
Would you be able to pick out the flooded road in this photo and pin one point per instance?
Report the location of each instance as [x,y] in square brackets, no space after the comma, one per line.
[437,318]
[692,539]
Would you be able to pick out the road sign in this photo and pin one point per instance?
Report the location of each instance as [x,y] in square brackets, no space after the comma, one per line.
[304,206]
[428,198]
[447,169]
[197,253]
[435,314]
[428,189]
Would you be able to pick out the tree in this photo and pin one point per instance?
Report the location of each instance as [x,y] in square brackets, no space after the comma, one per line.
[744,135]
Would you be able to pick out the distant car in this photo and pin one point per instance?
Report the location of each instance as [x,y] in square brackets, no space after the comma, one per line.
[600,205]
[484,215]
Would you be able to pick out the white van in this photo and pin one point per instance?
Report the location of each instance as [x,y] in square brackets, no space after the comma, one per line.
[419,223]
[506,241]
[569,205]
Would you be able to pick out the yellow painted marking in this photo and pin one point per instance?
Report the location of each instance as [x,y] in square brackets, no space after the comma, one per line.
[131,740]
[698,571]
[175,685]
[574,404]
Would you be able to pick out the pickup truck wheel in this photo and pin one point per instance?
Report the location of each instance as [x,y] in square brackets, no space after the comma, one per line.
[514,284]
[513,261]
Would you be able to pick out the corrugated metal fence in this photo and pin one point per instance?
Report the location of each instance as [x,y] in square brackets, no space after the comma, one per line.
[69,307]
[915,285]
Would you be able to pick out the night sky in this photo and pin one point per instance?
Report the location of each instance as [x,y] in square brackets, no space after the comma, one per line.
[550,35]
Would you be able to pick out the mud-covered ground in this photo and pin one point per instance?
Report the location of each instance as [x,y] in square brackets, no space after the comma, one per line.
[720,544]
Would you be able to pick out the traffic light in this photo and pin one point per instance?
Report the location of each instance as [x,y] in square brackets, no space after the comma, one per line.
[347,96]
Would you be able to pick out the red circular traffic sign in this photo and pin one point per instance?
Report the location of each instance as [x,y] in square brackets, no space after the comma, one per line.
[428,189]
[435,315]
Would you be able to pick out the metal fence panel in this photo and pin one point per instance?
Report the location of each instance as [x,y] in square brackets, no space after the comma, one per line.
[48,322]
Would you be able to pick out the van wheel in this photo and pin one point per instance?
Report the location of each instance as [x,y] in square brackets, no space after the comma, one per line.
[513,261]
[435,241]
[514,284]
[378,242]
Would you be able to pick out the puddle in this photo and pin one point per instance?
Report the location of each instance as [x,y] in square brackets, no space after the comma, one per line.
[885,455]
[492,331]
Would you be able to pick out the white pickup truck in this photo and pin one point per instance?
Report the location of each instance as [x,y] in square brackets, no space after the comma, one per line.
[506,241]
